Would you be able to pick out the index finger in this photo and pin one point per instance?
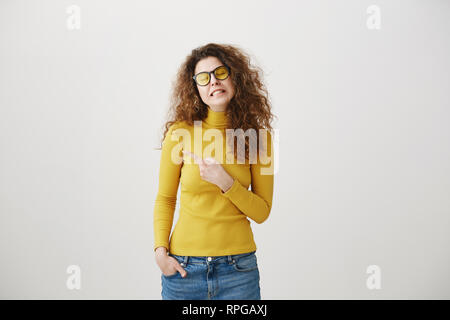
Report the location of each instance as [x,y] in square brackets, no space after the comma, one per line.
[197,159]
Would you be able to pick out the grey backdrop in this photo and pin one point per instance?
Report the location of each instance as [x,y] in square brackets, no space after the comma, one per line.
[364,157]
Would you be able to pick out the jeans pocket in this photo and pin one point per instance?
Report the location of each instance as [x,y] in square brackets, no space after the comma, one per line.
[246,263]
[180,261]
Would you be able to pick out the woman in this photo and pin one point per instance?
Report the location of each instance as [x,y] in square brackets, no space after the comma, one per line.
[211,253]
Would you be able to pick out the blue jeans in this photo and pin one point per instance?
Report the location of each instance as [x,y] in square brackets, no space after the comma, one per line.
[232,277]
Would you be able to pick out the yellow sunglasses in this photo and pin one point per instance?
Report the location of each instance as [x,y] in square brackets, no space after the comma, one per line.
[220,73]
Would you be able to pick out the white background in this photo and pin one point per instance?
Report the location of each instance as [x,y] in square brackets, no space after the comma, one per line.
[364,168]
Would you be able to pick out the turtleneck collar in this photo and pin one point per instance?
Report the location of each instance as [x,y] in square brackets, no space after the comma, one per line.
[216,119]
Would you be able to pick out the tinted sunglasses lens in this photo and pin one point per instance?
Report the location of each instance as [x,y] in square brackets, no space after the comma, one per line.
[221,73]
[202,78]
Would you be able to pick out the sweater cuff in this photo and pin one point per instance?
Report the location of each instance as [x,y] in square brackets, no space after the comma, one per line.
[162,244]
[234,188]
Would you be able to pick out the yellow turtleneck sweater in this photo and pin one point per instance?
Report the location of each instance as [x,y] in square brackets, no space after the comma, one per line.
[211,222]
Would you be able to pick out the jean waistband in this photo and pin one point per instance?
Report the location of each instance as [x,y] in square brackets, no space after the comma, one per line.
[211,259]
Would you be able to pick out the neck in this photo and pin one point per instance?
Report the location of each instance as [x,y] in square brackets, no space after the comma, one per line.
[216,119]
[218,108]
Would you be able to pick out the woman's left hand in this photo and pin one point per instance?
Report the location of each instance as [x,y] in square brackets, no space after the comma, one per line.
[212,171]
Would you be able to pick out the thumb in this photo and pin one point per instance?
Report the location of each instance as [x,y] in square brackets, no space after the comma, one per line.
[181,270]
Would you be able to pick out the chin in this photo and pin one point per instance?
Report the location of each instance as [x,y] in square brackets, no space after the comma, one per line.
[221,101]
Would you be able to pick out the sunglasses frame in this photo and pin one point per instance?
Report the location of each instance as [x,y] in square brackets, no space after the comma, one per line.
[209,74]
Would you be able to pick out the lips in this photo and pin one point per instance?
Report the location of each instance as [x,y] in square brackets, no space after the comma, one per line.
[218,92]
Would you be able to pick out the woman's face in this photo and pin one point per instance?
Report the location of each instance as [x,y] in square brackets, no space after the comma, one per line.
[224,89]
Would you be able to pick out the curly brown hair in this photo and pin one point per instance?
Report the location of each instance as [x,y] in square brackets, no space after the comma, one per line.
[249,108]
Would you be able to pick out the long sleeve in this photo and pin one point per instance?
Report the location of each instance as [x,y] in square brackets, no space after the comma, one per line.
[166,199]
[257,203]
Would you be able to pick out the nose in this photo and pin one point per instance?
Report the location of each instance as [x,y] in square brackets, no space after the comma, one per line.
[213,79]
